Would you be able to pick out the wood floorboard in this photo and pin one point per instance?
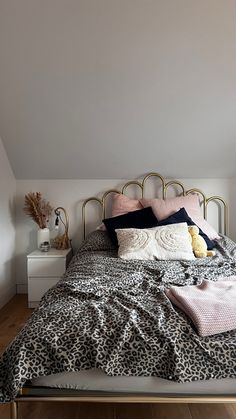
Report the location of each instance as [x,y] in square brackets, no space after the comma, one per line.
[5,411]
[51,410]
[13,317]
[211,411]
[231,409]
[136,411]
[173,411]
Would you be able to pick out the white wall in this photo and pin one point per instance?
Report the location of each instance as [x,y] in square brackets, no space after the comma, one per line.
[71,193]
[7,228]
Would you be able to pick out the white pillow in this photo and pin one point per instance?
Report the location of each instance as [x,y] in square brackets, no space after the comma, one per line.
[170,242]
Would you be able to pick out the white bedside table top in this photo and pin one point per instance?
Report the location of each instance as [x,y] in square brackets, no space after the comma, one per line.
[52,253]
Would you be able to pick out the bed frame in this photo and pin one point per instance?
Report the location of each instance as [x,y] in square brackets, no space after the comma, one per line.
[45,394]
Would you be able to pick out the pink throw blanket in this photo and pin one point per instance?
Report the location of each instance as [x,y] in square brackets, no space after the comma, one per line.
[210,305]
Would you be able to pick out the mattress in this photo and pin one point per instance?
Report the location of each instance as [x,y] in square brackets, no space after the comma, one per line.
[97,380]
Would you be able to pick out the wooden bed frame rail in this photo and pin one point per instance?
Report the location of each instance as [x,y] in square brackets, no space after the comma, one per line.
[91,397]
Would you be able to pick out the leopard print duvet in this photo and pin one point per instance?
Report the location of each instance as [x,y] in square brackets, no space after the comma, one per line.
[113,314]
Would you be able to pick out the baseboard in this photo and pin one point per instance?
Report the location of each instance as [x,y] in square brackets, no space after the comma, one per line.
[7,296]
[21,288]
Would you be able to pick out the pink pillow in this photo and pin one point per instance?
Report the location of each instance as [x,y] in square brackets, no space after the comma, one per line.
[121,204]
[163,208]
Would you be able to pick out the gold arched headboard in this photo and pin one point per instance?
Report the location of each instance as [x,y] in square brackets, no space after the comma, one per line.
[165,185]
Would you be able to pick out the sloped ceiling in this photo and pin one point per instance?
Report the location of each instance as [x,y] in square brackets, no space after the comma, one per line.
[117,88]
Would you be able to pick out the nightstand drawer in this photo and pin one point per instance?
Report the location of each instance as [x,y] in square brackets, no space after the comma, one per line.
[46,267]
[38,286]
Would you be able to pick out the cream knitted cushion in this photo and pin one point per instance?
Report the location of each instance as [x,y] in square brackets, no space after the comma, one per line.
[164,242]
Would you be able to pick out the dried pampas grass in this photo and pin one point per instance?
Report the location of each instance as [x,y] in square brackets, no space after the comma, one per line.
[37,208]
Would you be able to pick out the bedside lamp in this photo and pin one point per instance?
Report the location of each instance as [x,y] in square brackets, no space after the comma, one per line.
[61,242]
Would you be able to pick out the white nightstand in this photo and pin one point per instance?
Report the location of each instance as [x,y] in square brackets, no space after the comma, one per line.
[44,270]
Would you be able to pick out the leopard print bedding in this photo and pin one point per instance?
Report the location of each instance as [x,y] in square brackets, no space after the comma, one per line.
[113,314]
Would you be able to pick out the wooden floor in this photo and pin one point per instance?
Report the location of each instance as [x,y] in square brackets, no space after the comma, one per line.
[13,317]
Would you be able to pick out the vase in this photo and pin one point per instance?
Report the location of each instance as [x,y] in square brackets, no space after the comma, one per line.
[43,235]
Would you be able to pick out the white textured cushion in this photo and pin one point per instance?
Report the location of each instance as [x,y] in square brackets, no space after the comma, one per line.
[165,242]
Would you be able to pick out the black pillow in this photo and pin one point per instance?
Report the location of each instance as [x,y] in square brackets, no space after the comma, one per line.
[182,216]
[143,218]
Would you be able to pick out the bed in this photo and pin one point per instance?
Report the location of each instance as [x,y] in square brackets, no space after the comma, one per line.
[107,331]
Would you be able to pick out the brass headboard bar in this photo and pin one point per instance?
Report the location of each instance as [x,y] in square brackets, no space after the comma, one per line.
[165,185]
[83,211]
[104,200]
[198,191]
[225,206]
[132,182]
[108,192]
[102,204]
[172,183]
[154,174]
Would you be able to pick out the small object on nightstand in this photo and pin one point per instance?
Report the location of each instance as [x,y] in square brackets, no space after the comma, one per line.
[45,247]
[45,269]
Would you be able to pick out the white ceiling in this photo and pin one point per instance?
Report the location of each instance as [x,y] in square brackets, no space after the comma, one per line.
[117,88]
